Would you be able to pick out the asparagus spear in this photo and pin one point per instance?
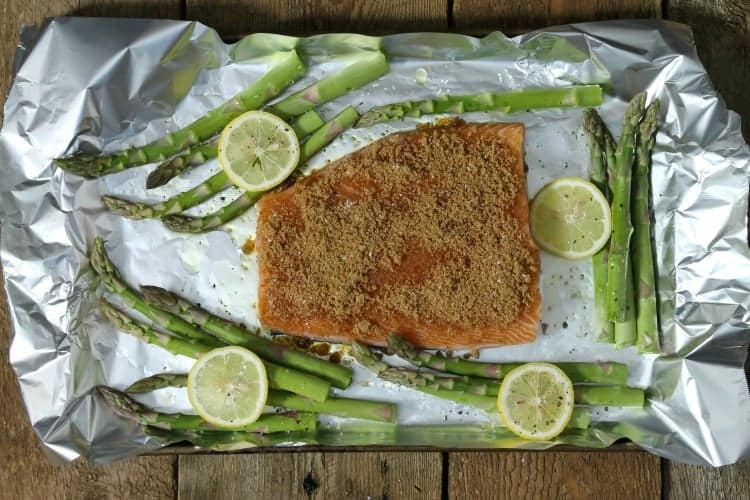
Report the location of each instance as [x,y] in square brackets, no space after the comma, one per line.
[625,331]
[303,125]
[235,334]
[342,407]
[578,372]
[426,383]
[191,157]
[129,408]
[156,382]
[317,141]
[508,102]
[125,323]
[592,123]
[351,77]
[609,396]
[595,373]
[284,68]
[178,203]
[228,440]
[279,377]
[619,272]
[647,325]
[111,278]
[484,394]
[307,123]
[438,361]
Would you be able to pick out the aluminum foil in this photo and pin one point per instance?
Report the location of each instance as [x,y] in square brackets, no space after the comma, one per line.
[98,84]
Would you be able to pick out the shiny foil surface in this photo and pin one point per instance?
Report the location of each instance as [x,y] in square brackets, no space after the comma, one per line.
[106,84]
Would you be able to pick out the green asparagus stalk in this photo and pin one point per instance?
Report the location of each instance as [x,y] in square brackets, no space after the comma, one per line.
[210,187]
[442,387]
[586,373]
[595,373]
[626,331]
[483,395]
[578,372]
[235,334]
[507,102]
[156,382]
[399,346]
[433,385]
[351,77]
[111,278]
[327,133]
[581,418]
[289,379]
[609,396]
[610,146]
[619,272]
[317,141]
[125,323]
[303,126]
[647,325]
[603,328]
[189,224]
[178,203]
[228,440]
[279,377]
[307,123]
[129,408]
[189,158]
[284,68]
[342,407]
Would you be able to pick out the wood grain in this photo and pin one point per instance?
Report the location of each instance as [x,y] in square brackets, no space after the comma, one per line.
[554,474]
[130,8]
[26,473]
[722,35]
[237,17]
[687,482]
[311,476]
[13,15]
[722,30]
[519,15]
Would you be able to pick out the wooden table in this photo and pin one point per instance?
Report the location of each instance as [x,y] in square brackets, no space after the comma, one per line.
[722,30]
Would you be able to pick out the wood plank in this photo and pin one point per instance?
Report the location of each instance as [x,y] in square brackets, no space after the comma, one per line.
[521,15]
[13,15]
[310,476]
[238,17]
[554,474]
[687,482]
[26,472]
[169,9]
[722,35]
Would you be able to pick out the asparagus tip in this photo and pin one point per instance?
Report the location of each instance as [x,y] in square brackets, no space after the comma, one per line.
[365,356]
[399,346]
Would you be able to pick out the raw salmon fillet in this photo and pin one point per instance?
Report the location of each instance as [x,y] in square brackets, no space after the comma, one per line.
[422,233]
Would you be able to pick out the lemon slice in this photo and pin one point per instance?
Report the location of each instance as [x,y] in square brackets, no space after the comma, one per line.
[258,150]
[536,401]
[570,218]
[228,387]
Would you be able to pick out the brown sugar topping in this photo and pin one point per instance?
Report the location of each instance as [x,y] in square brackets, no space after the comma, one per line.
[420,226]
